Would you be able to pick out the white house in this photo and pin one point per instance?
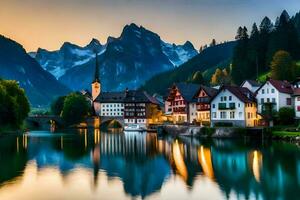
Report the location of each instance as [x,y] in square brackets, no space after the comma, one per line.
[274,92]
[296,97]
[110,104]
[181,103]
[235,106]
[252,85]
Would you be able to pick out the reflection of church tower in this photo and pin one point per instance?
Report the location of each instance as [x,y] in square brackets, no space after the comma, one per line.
[96,85]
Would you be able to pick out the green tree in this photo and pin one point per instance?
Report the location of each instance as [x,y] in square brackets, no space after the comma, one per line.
[283,67]
[14,105]
[240,63]
[284,37]
[75,109]
[196,78]
[58,105]
[286,115]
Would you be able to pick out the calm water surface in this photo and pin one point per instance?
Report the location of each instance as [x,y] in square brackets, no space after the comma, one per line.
[99,165]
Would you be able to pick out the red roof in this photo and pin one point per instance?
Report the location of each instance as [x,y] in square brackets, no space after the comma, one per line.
[242,93]
[282,86]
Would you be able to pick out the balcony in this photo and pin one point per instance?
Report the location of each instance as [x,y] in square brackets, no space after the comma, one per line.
[203,107]
[203,100]
[223,106]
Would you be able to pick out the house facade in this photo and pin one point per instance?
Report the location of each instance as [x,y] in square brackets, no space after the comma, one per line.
[203,97]
[296,97]
[274,93]
[234,106]
[140,108]
[181,103]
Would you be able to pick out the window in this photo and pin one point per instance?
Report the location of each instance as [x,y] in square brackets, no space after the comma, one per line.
[214,114]
[273,100]
[288,101]
[298,98]
[225,98]
[248,115]
[213,105]
[232,115]
[268,100]
[240,114]
[239,105]
[263,91]
[223,115]
[230,98]
[221,98]
[262,100]
[273,91]
[268,91]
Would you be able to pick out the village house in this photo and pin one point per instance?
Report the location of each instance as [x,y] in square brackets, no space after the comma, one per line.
[234,106]
[296,97]
[181,104]
[203,98]
[252,85]
[274,93]
[110,104]
[140,108]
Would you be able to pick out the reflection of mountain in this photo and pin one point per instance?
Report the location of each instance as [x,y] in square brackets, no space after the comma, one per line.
[143,163]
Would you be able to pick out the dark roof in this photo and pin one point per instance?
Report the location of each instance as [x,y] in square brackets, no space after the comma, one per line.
[110,97]
[138,96]
[242,93]
[281,86]
[211,92]
[188,90]
[252,83]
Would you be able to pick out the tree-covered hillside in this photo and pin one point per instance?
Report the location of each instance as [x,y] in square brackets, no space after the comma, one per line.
[255,52]
[210,58]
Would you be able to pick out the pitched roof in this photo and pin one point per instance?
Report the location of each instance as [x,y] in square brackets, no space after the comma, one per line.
[188,90]
[253,83]
[110,97]
[211,92]
[138,96]
[281,86]
[242,93]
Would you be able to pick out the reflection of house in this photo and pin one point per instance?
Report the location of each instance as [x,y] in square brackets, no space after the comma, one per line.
[181,102]
[203,97]
[234,105]
[275,93]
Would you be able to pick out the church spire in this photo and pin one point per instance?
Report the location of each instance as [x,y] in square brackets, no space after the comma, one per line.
[97,76]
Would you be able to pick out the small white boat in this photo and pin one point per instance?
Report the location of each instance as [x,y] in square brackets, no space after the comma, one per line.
[134,127]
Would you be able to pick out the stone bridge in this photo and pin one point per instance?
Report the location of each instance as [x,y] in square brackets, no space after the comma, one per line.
[52,121]
[106,120]
[44,121]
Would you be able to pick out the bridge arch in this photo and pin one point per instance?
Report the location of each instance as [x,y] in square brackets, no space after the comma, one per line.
[111,123]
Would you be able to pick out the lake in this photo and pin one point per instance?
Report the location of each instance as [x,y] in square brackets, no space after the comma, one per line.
[99,165]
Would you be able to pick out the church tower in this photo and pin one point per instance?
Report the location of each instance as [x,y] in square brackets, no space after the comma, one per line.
[96,85]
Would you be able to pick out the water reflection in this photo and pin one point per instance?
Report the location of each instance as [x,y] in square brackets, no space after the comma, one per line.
[143,165]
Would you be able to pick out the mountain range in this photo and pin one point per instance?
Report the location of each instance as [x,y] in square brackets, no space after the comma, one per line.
[40,86]
[127,61]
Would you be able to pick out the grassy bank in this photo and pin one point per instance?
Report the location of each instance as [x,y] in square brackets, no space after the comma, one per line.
[285,134]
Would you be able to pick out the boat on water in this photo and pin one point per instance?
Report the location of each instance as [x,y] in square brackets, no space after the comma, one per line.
[134,128]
